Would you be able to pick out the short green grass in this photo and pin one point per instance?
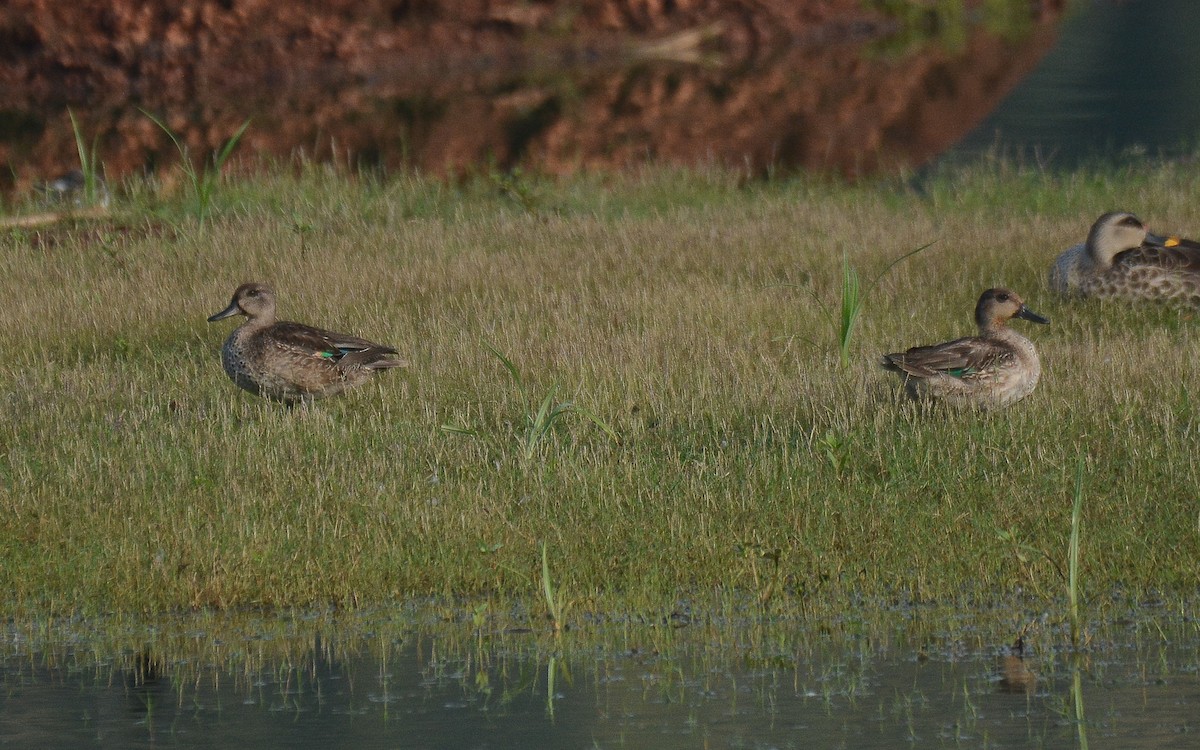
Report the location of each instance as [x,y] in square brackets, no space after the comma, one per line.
[683,309]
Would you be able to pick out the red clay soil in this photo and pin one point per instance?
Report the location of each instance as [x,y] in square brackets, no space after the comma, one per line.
[450,85]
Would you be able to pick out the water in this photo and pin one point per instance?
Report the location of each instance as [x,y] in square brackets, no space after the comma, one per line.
[1122,80]
[1100,78]
[633,685]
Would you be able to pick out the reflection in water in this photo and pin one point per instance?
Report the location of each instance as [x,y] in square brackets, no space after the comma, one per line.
[846,98]
[1016,675]
[1077,696]
[621,686]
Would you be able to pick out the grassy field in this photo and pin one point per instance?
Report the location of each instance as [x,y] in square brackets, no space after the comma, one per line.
[693,313]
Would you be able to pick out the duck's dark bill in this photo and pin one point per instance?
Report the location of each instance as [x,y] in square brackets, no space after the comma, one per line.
[1027,314]
[1157,240]
[228,312]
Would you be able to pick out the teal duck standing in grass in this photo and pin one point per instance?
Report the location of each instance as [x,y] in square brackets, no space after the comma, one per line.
[291,362]
[995,368]
[1121,259]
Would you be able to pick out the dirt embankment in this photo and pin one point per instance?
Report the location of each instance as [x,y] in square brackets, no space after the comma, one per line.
[450,85]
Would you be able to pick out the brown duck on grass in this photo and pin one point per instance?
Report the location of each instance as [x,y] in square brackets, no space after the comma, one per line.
[995,368]
[291,362]
[1121,259]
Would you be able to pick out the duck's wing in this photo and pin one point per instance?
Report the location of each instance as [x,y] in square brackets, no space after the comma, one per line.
[961,358]
[336,347]
[1172,253]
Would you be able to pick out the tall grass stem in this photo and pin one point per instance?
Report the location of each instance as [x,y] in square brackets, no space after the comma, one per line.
[1073,555]
[89,167]
[203,181]
[553,599]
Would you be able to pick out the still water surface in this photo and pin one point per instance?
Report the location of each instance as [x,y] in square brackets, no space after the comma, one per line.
[1138,686]
[1122,80]
[1097,78]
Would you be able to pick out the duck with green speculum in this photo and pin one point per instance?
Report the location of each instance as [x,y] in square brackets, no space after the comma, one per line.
[993,369]
[292,362]
[1122,259]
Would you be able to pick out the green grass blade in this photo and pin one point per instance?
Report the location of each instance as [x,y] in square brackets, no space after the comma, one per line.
[591,416]
[897,261]
[540,424]
[508,365]
[552,602]
[853,297]
[821,306]
[80,146]
[1073,555]
[180,146]
[220,157]
[185,163]
[851,308]
[87,160]
[1077,697]
[545,418]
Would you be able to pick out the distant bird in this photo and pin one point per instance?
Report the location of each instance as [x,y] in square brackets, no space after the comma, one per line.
[291,362]
[995,368]
[73,188]
[1121,259]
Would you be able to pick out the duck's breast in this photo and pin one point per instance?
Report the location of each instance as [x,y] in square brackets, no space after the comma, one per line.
[1069,269]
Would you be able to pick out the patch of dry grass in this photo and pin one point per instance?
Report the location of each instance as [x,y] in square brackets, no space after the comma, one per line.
[684,309]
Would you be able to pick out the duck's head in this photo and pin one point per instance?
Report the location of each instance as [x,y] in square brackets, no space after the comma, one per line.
[998,306]
[1114,233]
[254,300]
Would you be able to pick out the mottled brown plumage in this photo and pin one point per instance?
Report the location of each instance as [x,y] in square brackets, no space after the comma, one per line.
[292,362]
[995,368]
[1122,260]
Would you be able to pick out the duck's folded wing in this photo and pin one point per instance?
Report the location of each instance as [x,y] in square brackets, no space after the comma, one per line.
[1176,254]
[959,358]
[328,344]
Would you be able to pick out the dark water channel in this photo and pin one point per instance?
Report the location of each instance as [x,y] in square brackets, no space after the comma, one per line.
[613,686]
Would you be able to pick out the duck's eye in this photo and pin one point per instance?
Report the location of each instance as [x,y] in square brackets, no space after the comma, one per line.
[1131,221]
[252,293]
[1002,297]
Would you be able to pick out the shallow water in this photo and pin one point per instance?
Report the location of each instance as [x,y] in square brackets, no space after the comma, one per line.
[613,686]
[1106,78]
[1121,80]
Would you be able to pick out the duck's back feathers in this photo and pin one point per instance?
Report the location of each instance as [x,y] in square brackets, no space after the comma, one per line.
[338,348]
[1182,256]
[1162,274]
[962,358]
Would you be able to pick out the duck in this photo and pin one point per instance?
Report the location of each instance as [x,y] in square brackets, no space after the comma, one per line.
[77,189]
[293,362]
[1123,259]
[996,368]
